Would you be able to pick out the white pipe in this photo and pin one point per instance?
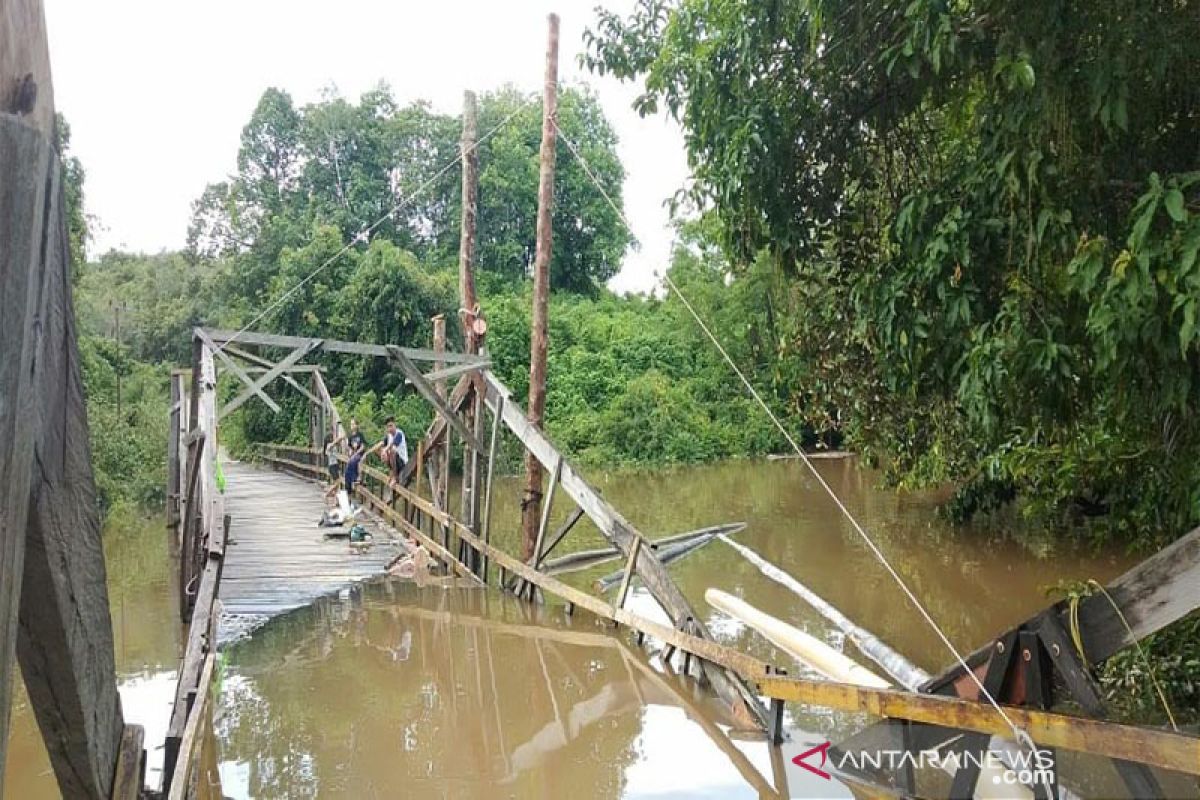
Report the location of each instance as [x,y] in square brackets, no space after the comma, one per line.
[800,645]
[906,673]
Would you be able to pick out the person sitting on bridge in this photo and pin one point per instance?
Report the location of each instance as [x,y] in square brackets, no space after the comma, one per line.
[393,449]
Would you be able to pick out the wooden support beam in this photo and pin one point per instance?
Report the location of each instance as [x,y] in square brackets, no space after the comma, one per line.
[270,375]
[453,372]
[486,533]
[130,776]
[1152,746]
[249,338]
[547,507]
[181,777]
[262,364]
[620,533]
[50,550]
[426,390]
[174,416]
[539,320]
[199,646]
[28,176]
[238,372]
[561,534]
[1157,592]
[630,568]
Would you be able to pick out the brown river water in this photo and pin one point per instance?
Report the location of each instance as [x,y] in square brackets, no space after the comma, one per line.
[391,690]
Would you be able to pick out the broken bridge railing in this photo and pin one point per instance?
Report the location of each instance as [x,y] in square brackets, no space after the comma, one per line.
[467,551]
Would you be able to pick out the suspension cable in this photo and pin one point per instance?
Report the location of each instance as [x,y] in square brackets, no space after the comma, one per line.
[1020,734]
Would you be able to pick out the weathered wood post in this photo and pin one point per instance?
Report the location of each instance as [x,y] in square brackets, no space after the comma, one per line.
[175,417]
[52,576]
[530,504]
[470,305]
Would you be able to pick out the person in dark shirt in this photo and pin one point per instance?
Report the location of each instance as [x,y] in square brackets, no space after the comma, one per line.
[357,442]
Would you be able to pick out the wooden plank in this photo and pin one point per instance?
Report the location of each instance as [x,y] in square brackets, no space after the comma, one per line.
[173,476]
[64,641]
[1157,592]
[451,372]
[630,566]
[487,492]
[621,534]
[547,507]
[586,559]
[330,409]
[131,764]
[1152,746]
[257,384]
[238,372]
[222,337]
[426,390]
[26,170]
[180,780]
[197,646]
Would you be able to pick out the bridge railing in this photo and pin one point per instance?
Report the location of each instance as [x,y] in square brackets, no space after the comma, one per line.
[201,527]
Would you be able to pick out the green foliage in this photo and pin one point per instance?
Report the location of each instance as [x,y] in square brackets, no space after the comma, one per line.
[987,214]
[334,169]
[126,417]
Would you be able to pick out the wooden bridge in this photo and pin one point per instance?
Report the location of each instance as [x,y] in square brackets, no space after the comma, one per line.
[247,542]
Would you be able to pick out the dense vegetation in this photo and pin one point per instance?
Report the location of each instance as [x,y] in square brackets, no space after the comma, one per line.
[961,237]
[988,214]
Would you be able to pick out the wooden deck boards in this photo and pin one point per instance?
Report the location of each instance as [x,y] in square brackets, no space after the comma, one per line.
[278,559]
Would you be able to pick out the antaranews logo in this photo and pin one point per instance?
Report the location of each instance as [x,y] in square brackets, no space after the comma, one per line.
[822,750]
[1006,767]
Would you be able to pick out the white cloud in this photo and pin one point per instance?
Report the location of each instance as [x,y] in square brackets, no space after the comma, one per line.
[157,93]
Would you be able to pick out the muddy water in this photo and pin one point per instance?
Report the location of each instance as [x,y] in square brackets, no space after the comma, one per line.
[141,583]
[398,691]
[395,691]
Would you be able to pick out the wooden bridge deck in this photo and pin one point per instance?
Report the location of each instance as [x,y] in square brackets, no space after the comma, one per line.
[277,558]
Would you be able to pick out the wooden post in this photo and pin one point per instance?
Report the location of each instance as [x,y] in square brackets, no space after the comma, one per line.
[53,595]
[486,534]
[469,505]
[440,458]
[174,417]
[470,199]
[541,291]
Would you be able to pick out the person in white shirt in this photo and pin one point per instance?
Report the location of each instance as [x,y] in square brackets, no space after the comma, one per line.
[393,449]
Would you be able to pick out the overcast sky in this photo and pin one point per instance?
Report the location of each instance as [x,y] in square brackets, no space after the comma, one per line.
[157,93]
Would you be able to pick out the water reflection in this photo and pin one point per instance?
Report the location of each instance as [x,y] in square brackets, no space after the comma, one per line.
[141,590]
[460,693]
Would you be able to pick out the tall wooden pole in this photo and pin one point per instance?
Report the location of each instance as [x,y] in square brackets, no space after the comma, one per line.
[440,458]
[530,505]
[466,289]
[470,199]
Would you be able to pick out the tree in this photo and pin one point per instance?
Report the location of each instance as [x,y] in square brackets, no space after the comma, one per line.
[989,215]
